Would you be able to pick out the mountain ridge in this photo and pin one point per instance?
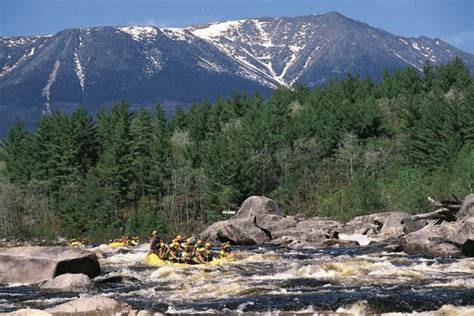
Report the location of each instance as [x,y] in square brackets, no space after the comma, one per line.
[97,66]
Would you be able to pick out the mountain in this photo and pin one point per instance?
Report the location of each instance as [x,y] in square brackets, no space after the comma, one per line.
[144,65]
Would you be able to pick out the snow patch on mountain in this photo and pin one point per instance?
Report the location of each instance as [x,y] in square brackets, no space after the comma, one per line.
[47,88]
[408,62]
[79,72]
[139,33]
[175,33]
[7,69]
[210,31]
[209,65]
[403,41]
[155,60]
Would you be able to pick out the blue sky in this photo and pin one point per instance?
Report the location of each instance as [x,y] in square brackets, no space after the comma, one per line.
[450,20]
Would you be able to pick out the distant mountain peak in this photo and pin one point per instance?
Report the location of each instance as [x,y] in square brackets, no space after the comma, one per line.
[146,64]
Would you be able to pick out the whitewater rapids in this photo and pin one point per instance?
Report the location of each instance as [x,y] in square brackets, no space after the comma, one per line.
[269,280]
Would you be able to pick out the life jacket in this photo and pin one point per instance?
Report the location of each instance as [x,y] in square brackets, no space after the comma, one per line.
[208,254]
[223,253]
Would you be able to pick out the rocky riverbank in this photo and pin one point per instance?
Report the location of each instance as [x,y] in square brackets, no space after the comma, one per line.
[443,233]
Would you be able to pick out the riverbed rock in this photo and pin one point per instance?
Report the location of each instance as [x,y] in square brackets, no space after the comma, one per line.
[256,222]
[28,265]
[467,207]
[69,282]
[95,305]
[386,225]
[257,205]
[28,312]
[433,240]
[243,231]
[273,225]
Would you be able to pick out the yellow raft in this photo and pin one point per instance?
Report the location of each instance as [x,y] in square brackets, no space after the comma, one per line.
[153,260]
[118,244]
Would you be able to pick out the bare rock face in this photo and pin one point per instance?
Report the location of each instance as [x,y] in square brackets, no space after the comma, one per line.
[68,282]
[257,205]
[29,265]
[96,305]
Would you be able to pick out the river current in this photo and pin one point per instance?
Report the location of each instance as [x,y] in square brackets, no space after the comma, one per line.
[272,281]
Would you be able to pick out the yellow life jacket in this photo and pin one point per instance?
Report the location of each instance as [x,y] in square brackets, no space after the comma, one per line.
[223,253]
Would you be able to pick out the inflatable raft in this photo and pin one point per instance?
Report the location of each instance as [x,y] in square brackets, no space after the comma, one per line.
[153,260]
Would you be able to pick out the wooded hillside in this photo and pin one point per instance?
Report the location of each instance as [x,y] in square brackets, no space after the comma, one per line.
[349,148]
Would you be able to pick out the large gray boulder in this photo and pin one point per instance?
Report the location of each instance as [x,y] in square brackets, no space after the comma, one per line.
[386,225]
[434,240]
[257,205]
[311,230]
[256,222]
[243,231]
[29,265]
[68,282]
[467,207]
[96,305]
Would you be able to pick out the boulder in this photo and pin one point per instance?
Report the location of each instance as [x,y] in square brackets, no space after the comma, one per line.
[257,205]
[28,312]
[29,265]
[387,225]
[467,207]
[461,231]
[68,282]
[96,305]
[243,231]
[272,225]
[314,229]
[433,240]
[213,232]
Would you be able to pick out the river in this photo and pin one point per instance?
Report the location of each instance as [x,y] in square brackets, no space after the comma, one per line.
[270,280]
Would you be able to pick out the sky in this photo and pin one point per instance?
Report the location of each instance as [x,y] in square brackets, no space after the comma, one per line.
[450,20]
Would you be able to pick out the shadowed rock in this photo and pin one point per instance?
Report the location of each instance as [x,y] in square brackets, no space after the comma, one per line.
[29,265]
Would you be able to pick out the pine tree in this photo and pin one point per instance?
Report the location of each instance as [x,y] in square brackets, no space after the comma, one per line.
[17,153]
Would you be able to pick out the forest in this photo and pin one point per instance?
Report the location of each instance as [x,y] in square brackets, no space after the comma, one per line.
[351,147]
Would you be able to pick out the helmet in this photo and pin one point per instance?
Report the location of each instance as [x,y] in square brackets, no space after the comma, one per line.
[208,245]
[225,245]
[154,233]
[189,240]
[199,242]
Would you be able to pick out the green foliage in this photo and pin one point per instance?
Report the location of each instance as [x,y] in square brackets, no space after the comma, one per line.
[349,148]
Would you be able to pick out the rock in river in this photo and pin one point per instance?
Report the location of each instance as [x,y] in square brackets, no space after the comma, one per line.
[69,282]
[257,205]
[96,305]
[29,265]
[256,222]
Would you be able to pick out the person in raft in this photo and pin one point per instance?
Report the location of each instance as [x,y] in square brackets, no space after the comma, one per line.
[154,243]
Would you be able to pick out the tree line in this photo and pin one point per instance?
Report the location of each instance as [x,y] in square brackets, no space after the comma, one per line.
[351,147]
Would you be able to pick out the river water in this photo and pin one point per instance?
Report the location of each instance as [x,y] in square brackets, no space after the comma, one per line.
[270,280]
